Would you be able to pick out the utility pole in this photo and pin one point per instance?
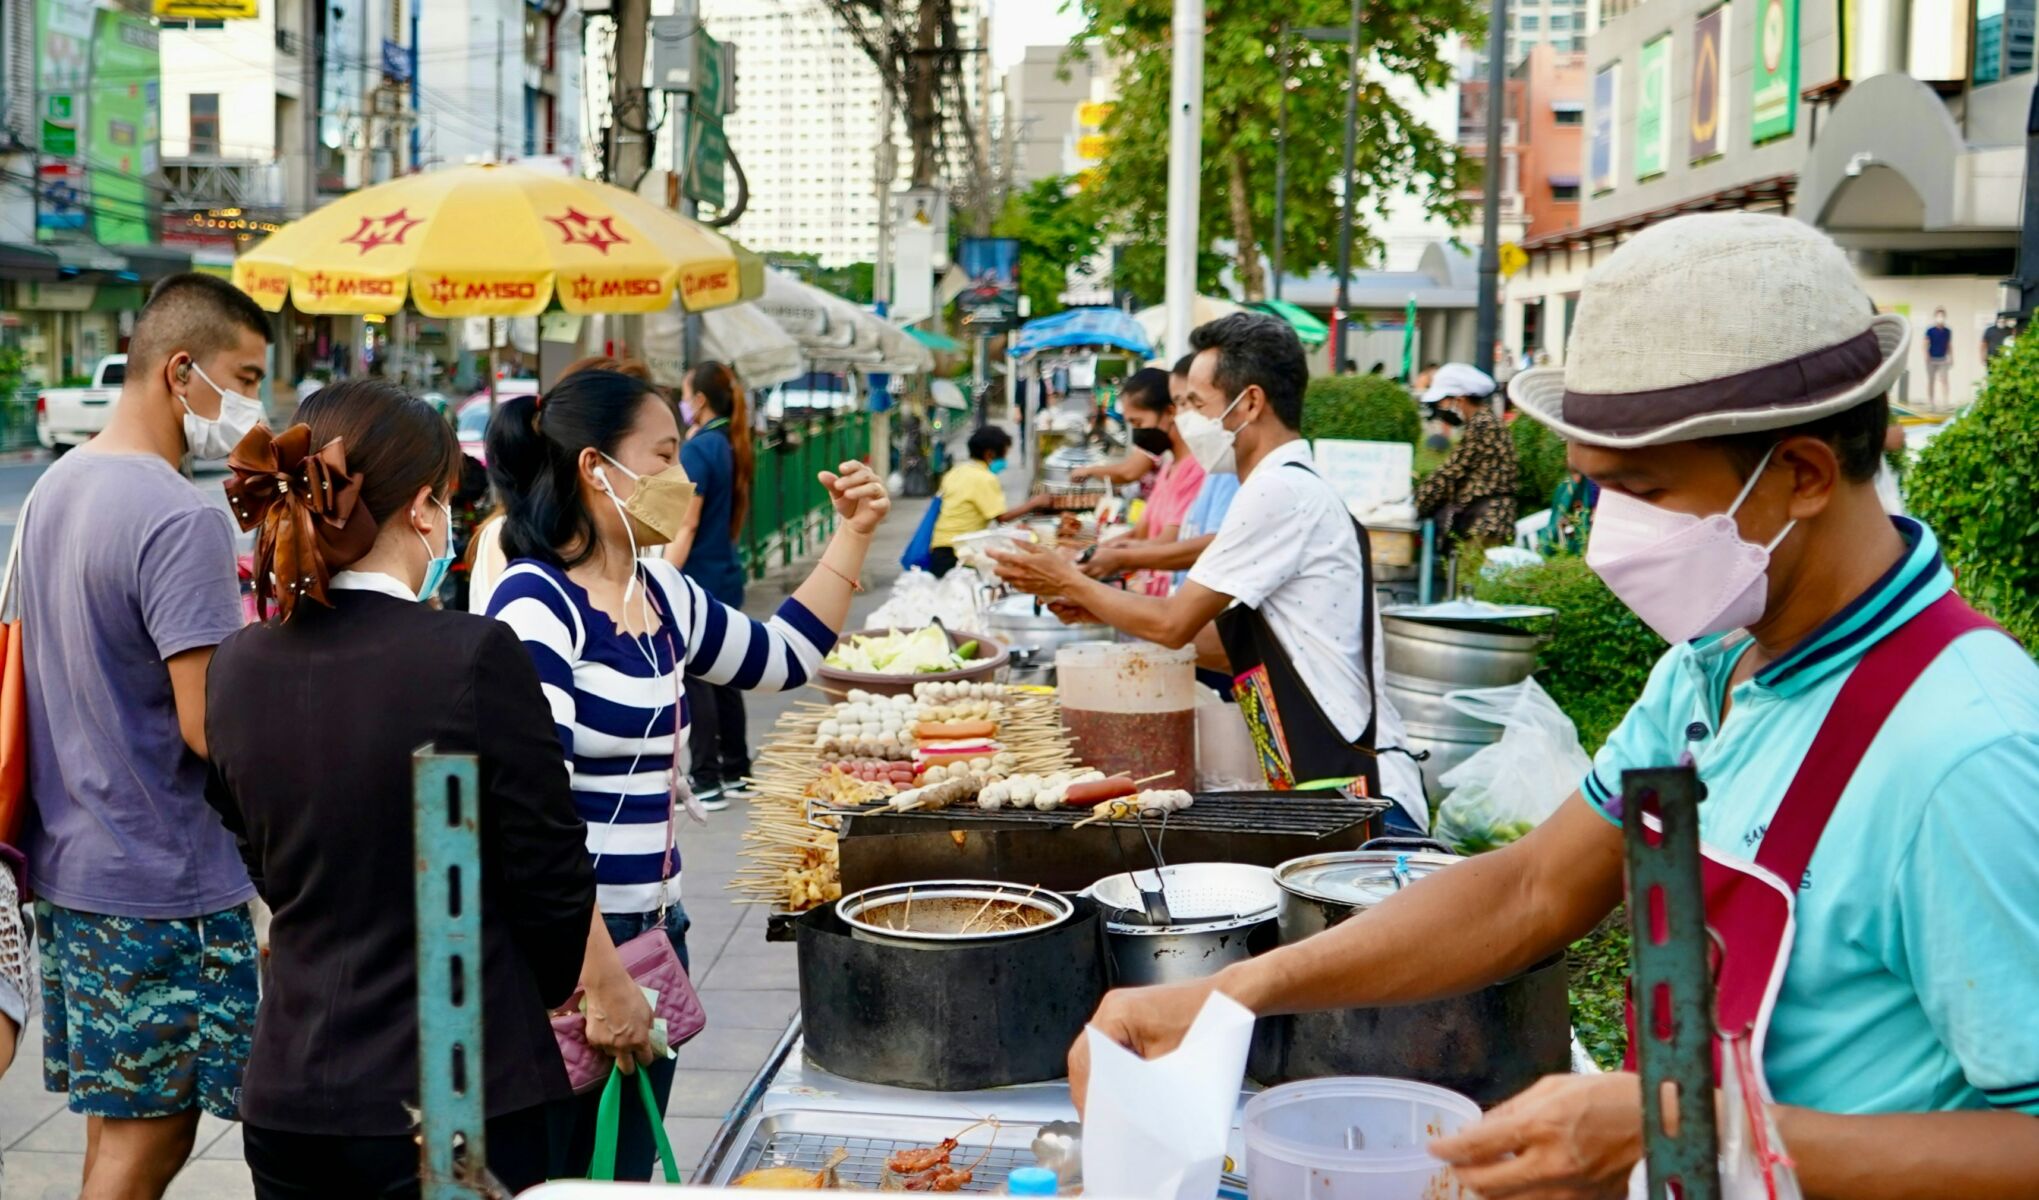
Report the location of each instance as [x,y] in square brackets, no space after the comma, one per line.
[881,267]
[499,89]
[1185,170]
[1281,157]
[1494,165]
[2022,293]
[1341,312]
[681,119]
[417,94]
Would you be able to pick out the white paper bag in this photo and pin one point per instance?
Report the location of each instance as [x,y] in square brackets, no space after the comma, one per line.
[1157,1130]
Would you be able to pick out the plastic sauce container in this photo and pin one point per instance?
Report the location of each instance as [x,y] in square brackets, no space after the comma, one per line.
[1032,1181]
[1352,1139]
[1131,707]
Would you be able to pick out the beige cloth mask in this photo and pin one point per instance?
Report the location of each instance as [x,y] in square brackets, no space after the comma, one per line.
[659,504]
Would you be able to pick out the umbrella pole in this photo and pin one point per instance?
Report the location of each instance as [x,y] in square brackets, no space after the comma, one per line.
[492,367]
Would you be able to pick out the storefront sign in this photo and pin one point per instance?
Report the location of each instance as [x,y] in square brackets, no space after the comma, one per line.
[1709,74]
[63,31]
[1652,123]
[1601,163]
[125,129]
[1773,98]
[1365,474]
[208,10]
[54,297]
[59,196]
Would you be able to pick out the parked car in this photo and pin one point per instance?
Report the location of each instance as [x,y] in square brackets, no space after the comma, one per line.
[472,423]
[67,417]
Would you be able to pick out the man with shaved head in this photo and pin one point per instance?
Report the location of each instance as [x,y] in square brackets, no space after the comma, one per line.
[126,584]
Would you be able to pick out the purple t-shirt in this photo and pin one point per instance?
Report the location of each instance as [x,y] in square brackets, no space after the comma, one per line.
[123,566]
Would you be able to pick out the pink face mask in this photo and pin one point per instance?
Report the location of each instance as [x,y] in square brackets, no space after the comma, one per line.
[1685,576]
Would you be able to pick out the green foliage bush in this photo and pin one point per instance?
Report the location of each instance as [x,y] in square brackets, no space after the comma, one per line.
[1362,408]
[1597,655]
[1977,486]
[1540,464]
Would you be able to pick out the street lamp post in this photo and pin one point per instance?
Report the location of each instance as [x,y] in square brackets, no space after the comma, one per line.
[1339,314]
[1490,223]
[1281,155]
[1185,164]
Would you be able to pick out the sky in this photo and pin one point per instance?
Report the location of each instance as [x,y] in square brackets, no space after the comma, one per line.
[1017,24]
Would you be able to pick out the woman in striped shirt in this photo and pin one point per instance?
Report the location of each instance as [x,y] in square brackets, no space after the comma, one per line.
[590,475]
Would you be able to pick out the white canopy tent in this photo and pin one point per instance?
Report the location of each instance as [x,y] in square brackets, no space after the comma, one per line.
[751,343]
[1203,309]
[832,332]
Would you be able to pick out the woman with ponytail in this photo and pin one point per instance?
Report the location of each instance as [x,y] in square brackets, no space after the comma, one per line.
[719,459]
[311,720]
[592,478]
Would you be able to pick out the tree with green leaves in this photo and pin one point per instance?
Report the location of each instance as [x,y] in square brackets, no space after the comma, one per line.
[1398,155]
[1057,228]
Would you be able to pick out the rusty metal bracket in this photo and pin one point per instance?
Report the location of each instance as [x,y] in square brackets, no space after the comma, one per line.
[1672,980]
[446,816]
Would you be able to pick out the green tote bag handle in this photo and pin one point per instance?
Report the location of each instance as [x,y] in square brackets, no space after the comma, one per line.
[609,1122]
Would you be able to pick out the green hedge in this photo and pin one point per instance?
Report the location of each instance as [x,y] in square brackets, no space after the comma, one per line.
[1598,654]
[1362,408]
[1540,463]
[1977,486]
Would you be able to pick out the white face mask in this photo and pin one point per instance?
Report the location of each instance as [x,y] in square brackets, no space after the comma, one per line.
[1209,442]
[215,437]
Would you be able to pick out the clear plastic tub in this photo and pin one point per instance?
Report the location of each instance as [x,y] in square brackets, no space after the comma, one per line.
[1352,1139]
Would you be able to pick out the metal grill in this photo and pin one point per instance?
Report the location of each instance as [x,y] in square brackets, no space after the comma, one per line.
[1215,812]
[865,1167]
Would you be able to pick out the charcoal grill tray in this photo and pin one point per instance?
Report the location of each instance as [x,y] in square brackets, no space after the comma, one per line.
[799,1140]
[1213,812]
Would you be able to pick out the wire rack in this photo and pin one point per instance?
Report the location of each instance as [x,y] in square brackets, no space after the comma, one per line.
[1218,812]
[865,1167]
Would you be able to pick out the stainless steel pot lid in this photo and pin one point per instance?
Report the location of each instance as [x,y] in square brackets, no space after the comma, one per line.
[1467,610]
[950,911]
[1359,878]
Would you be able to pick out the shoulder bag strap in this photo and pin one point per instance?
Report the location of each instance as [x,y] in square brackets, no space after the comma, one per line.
[1872,690]
[1366,609]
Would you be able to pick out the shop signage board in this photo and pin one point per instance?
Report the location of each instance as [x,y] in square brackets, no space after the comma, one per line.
[124,128]
[707,161]
[1365,474]
[1709,76]
[1602,161]
[1773,96]
[208,10]
[1652,116]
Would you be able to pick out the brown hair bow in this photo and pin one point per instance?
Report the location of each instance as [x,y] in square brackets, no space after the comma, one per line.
[308,508]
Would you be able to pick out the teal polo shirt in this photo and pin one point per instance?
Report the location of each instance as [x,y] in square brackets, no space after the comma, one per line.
[1913,982]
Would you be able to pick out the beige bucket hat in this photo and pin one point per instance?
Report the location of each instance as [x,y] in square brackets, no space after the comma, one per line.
[1712,324]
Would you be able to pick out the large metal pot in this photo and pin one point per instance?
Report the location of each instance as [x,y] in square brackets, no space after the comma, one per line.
[1488,1044]
[1056,467]
[951,912]
[1219,914]
[1464,653]
[1032,638]
[1448,735]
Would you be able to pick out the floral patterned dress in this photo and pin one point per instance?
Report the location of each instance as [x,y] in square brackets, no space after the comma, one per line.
[1472,496]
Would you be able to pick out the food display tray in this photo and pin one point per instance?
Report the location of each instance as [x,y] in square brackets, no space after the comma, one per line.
[808,1139]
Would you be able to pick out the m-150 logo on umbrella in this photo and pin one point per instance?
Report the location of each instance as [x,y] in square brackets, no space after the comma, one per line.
[585,289]
[383,231]
[577,228]
[320,285]
[445,289]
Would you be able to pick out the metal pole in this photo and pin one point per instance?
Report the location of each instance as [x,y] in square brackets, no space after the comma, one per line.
[499,89]
[417,101]
[1340,314]
[887,169]
[452,1139]
[1495,166]
[1185,170]
[1281,157]
[2028,236]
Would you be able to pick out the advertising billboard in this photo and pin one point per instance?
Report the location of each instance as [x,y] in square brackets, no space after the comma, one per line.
[125,113]
[1709,77]
[1601,156]
[1773,96]
[1653,100]
[990,300]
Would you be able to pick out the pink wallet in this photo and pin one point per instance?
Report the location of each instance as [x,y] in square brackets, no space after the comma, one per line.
[653,963]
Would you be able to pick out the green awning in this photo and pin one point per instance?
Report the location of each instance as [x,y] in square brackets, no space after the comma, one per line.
[940,343]
[1312,331]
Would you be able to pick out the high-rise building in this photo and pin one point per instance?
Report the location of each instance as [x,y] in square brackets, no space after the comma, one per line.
[805,128]
[1043,93]
[500,80]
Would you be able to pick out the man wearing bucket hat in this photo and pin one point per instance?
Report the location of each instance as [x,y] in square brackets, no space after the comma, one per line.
[1471,495]
[1869,746]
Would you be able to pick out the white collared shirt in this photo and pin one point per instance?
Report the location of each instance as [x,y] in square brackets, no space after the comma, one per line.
[373,581]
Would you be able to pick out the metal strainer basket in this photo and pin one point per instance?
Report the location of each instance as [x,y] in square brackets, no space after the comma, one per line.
[1197,894]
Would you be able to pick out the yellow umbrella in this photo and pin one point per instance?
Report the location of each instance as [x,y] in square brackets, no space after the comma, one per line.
[496,241]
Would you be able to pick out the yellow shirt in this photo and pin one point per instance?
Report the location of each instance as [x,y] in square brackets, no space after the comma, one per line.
[971,501]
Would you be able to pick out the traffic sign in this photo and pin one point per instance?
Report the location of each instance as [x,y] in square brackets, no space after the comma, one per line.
[707,160]
[1513,259]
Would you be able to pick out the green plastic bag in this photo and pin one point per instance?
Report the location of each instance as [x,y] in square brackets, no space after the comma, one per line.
[609,1123]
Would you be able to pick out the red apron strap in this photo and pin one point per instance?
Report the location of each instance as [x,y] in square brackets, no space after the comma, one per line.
[1865,701]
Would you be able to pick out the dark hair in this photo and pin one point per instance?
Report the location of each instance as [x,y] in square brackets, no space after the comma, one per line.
[1148,388]
[716,384]
[632,367]
[1856,434]
[199,314]
[1181,368]
[535,445]
[988,442]
[1257,350]
[396,442]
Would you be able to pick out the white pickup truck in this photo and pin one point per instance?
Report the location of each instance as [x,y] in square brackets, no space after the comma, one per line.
[67,417]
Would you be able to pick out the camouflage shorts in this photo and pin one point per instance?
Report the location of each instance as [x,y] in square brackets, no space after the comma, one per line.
[145,1018]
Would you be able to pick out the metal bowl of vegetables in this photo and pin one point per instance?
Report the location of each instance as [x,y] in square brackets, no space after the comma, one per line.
[891,661]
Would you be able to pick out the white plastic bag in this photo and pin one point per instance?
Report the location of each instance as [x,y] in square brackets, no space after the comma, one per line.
[1753,1162]
[1506,789]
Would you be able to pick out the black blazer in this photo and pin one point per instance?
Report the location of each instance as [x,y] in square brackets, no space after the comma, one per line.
[311,725]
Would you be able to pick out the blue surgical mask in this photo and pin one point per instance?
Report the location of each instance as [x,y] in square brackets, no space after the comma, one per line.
[440,564]
[997,466]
